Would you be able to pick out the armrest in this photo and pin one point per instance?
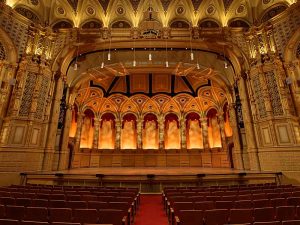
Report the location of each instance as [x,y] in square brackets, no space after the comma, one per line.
[124,220]
[177,221]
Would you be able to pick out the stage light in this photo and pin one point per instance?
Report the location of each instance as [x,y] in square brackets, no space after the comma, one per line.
[192,56]
[199,175]
[75,66]
[225,65]
[102,65]
[59,174]
[242,174]
[167,64]
[108,56]
[150,176]
[134,63]
[150,56]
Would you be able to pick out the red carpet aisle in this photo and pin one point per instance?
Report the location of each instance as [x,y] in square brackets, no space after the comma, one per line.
[151,211]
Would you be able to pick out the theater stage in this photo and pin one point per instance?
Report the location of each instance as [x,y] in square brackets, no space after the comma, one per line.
[151,179]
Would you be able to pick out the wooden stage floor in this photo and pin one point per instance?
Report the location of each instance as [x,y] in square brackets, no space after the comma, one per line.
[154,170]
[151,179]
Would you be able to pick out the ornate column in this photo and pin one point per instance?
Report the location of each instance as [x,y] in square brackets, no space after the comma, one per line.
[249,129]
[118,133]
[265,92]
[293,76]
[204,132]
[237,153]
[63,162]
[80,117]
[97,123]
[221,122]
[6,90]
[140,133]
[161,131]
[53,123]
[183,133]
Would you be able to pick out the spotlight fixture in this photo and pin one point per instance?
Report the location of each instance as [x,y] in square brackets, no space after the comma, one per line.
[134,61]
[192,56]
[109,54]
[167,62]
[76,60]
[150,56]
[225,65]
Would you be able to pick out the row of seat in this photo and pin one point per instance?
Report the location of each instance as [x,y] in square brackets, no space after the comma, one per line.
[65,194]
[259,216]
[43,214]
[26,202]
[43,204]
[243,204]
[60,187]
[16,222]
[233,197]
[237,186]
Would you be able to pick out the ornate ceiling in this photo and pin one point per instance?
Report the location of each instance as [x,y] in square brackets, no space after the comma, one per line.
[130,13]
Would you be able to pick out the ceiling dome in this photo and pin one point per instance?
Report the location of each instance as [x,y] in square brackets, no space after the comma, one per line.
[131,13]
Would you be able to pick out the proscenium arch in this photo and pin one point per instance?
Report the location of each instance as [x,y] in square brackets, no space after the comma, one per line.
[293,43]
[9,47]
[233,54]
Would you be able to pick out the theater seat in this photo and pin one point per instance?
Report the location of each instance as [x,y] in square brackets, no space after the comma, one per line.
[2,211]
[238,216]
[190,217]
[112,216]
[8,222]
[76,204]
[15,212]
[204,205]
[216,216]
[264,214]
[36,214]
[85,216]
[39,203]
[33,223]
[285,213]
[268,223]
[60,215]
[64,223]
[291,222]
[97,205]
[23,202]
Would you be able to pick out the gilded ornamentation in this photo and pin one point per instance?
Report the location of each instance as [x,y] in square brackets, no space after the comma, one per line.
[34,2]
[74,4]
[2,52]
[27,94]
[273,12]
[28,14]
[90,10]
[227,4]
[135,4]
[274,94]
[41,103]
[196,4]
[259,96]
